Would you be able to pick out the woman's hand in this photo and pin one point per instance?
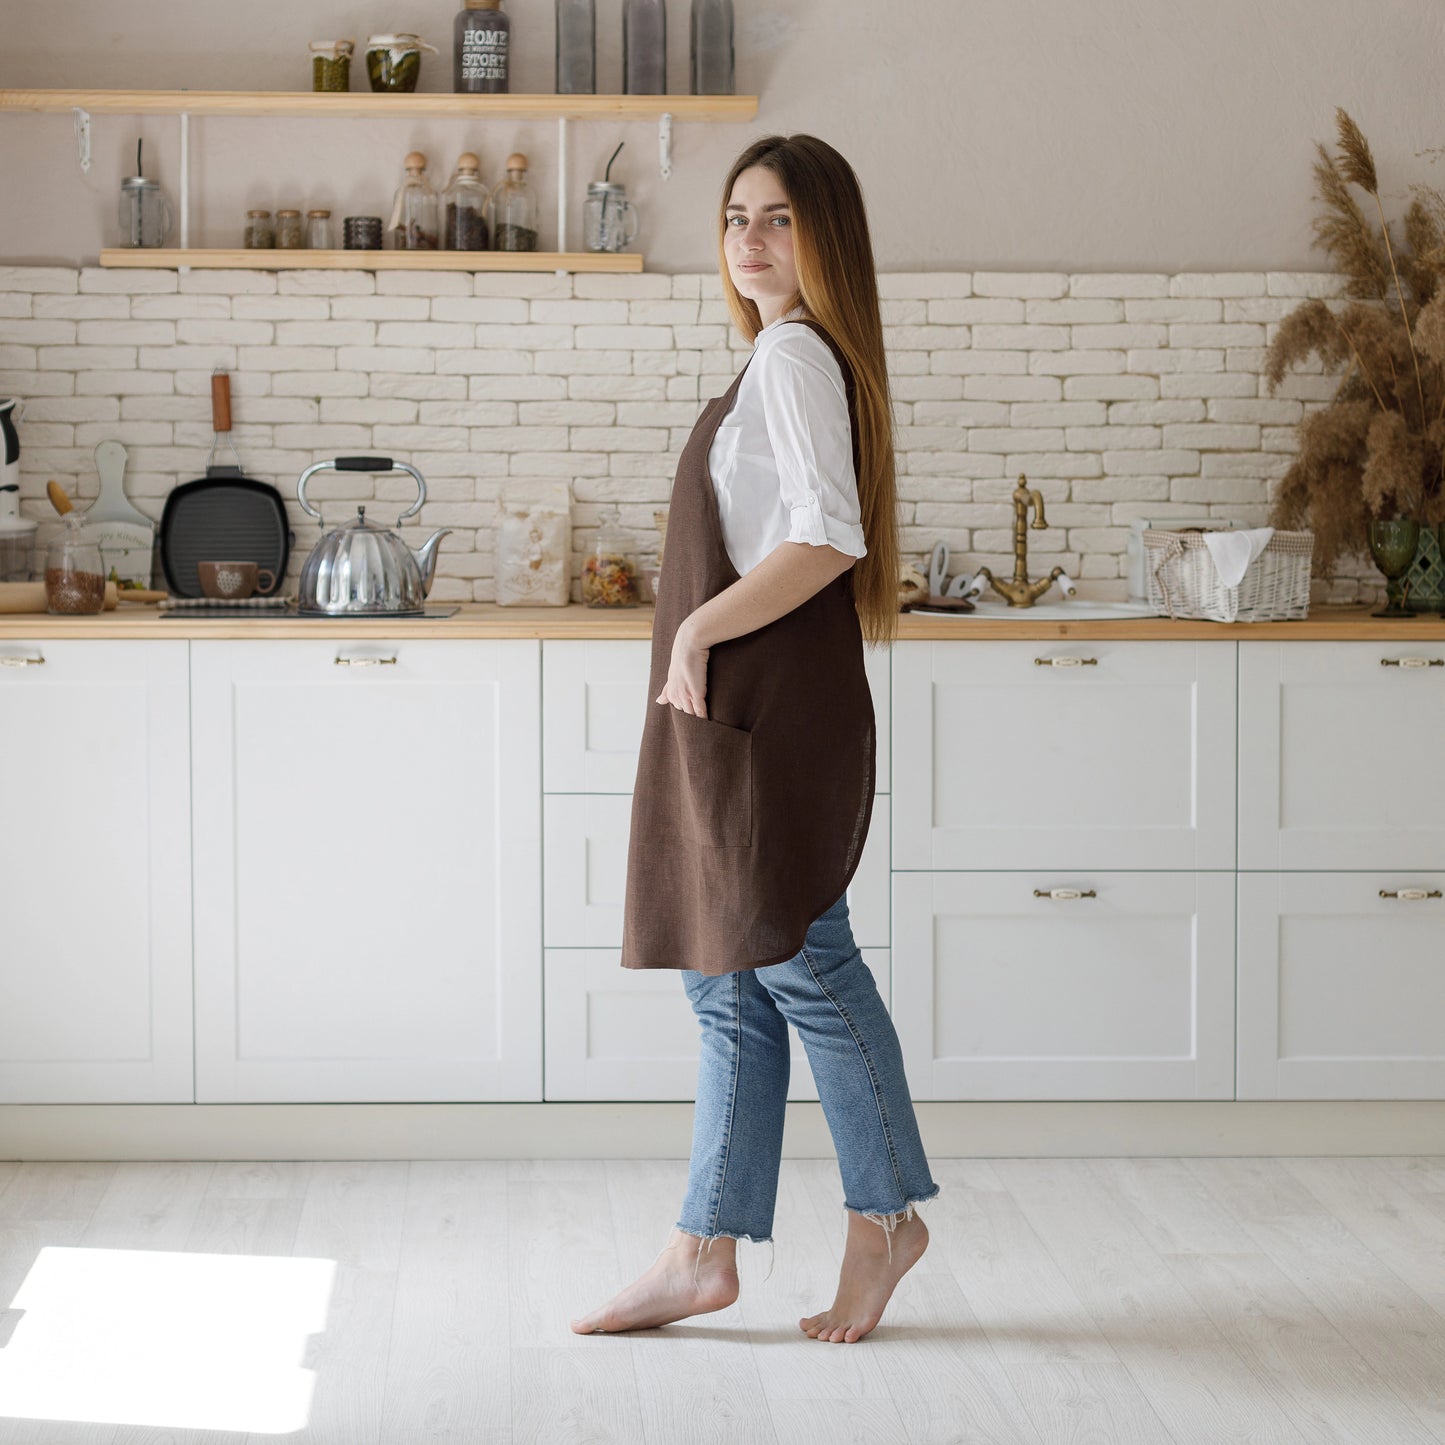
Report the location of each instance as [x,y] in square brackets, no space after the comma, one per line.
[686,675]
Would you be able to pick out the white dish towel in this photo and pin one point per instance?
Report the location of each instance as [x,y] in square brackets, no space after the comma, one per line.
[1232,552]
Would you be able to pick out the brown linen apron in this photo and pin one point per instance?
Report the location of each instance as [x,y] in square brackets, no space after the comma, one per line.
[747,824]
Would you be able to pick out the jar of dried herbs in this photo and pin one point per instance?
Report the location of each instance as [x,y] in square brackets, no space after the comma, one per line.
[259,234]
[331,64]
[289,234]
[514,209]
[413,223]
[465,204]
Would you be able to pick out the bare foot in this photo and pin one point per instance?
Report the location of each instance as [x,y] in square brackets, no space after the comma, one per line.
[868,1277]
[667,1291]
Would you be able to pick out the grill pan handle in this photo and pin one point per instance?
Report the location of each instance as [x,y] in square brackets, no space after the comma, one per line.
[362,464]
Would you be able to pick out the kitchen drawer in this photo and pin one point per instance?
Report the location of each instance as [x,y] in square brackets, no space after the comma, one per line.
[622,1034]
[1339,755]
[1000,994]
[585,852]
[1341,991]
[1064,754]
[595,703]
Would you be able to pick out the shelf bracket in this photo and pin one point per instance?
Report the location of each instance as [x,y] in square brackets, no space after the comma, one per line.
[82,137]
[664,144]
[561,186]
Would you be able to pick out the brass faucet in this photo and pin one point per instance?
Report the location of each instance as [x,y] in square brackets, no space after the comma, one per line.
[1020,592]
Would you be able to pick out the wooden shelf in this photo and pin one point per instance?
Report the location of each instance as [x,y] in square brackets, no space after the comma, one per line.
[157,259]
[359,104]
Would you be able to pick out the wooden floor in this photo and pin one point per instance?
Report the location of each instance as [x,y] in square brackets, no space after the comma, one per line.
[1111,1301]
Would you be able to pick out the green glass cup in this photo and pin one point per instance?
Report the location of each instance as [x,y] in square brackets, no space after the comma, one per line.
[1392,545]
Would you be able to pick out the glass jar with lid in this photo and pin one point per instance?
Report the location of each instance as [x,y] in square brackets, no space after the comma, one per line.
[413,224]
[331,64]
[393,62]
[259,234]
[465,208]
[320,233]
[74,572]
[514,209]
[145,214]
[609,575]
[289,232]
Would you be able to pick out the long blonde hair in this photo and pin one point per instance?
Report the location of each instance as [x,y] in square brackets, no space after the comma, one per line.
[838,288]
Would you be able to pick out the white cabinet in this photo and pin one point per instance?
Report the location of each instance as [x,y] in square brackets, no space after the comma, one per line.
[1340,755]
[1000,993]
[1061,754]
[367,870]
[95,873]
[1341,985]
[629,1034]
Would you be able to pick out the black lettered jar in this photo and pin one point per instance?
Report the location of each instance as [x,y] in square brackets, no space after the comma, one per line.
[482,42]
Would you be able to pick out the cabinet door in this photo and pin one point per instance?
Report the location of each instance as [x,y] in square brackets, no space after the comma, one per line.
[596,702]
[1339,755]
[1064,755]
[1001,994]
[586,872]
[367,840]
[95,873]
[1341,990]
[621,1034]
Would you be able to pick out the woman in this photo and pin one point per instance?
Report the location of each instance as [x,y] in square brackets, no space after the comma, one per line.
[755,778]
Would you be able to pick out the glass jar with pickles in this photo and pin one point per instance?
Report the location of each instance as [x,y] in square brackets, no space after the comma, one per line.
[331,64]
[393,62]
[609,575]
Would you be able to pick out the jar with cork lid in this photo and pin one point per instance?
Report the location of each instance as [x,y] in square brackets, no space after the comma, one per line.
[514,209]
[465,208]
[413,225]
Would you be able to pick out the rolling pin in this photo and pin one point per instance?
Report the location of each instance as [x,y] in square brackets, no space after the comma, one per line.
[30,597]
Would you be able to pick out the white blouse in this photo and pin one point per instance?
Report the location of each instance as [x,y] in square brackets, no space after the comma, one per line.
[782,459]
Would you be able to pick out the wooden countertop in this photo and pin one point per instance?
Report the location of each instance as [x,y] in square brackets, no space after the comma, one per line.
[486,619]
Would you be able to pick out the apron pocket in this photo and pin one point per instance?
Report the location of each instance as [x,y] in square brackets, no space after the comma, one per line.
[715,794]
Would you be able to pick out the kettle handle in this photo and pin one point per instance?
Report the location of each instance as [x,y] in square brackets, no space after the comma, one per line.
[362,464]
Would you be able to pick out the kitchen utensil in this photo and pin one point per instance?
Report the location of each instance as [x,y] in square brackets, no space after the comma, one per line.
[360,569]
[223,514]
[17,533]
[125,534]
[141,594]
[232,579]
[30,596]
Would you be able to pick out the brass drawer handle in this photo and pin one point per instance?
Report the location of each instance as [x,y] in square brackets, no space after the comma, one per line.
[22,661]
[366,662]
[1411,895]
[1412,662]
[1064,893]
[1066,662]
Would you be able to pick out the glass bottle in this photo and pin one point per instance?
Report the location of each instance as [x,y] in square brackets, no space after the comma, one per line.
[74,572]
[576,47]
[259,235]
[712,47]
[514,209]
[320,234]
[413,223]
[289,232]
[609,575]
[644,47]
[465,204]
[481,36]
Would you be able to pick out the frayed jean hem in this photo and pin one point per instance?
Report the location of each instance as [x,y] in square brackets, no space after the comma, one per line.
[890,1221]
[707,1239]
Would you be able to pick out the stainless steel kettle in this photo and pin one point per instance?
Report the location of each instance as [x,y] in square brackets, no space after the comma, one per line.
[360,569]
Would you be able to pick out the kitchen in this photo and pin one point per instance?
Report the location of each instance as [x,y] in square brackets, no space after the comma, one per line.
[313,922]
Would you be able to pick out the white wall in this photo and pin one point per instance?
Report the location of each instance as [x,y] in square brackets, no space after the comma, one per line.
[1156,135]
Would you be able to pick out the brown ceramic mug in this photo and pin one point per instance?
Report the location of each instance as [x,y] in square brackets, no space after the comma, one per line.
[229,580]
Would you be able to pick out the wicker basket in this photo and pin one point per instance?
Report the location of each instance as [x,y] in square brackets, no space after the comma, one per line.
[1183,582]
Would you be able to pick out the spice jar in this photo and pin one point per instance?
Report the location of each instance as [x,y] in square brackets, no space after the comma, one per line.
[74,572]
[465,205]
[533,545]
[331,64]
[288,230]
[413,223]
[393,62]
[320,234]
[259,235]
[514,209]
[609,575]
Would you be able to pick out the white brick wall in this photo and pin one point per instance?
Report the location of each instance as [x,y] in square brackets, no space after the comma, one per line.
[1120,395]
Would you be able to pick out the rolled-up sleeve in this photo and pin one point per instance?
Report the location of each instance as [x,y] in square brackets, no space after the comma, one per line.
[806,407]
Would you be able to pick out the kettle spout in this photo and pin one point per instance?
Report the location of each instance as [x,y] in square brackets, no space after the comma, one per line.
[426,558]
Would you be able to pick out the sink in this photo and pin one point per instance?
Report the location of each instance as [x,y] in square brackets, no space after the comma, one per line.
[1079,609]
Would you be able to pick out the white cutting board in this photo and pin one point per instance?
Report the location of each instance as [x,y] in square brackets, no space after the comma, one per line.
[125,534]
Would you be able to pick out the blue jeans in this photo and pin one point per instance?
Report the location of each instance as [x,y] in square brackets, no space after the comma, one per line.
[827,993]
